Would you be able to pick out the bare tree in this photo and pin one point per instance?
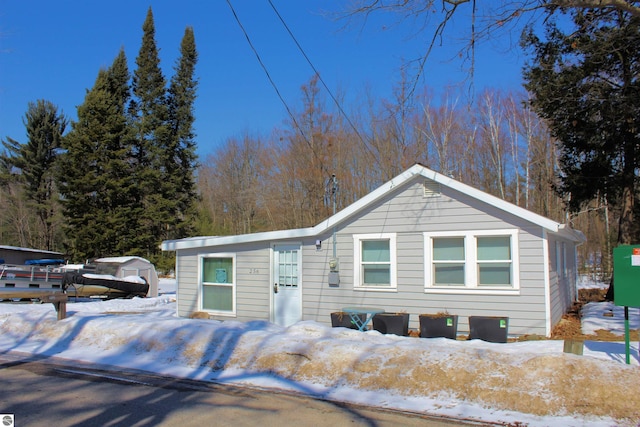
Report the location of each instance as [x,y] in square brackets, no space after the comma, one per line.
[306,159]
[228,182]
[483,19]
[494,149]
[440,126]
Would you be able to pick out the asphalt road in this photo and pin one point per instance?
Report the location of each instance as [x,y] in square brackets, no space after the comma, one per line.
[55,392]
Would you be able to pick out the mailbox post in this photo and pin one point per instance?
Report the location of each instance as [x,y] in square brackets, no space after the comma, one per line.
[626,280]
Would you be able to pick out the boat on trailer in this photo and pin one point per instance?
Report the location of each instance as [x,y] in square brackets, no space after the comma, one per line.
[20,282]
[79,284]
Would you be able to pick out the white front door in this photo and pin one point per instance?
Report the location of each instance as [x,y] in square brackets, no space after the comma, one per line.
[287,299]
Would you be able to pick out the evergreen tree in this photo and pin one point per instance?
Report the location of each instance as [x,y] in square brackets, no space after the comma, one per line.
[95,172]
[150,112]
[585,82]
[180,157]
[36,162]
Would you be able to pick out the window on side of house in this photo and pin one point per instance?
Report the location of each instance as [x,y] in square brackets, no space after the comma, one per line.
[473,260]
[558,260]
[375,261]
[448,261]
[565,271]
[494,261]
[217,279]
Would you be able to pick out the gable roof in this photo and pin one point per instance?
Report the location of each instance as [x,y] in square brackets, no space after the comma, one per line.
[334,220]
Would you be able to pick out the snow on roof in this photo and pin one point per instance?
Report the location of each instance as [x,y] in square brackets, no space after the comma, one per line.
[119,259]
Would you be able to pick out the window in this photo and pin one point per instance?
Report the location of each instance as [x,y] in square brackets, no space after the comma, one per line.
[375,261]
[448,261]
[485,260]
[565,271]
[218,283]
[561,260]
[494,260]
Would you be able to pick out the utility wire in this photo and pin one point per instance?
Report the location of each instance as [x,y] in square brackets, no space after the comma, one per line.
[321,80]
[264,68]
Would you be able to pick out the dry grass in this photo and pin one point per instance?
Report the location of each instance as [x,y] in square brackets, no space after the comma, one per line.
[570,328]
[199,315]
[549,384]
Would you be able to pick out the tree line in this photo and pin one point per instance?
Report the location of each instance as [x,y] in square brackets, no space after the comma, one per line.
[123,178]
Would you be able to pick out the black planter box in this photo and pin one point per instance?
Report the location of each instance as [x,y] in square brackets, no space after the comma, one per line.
[489,328]
[340,319]
[437,326]
[392,323]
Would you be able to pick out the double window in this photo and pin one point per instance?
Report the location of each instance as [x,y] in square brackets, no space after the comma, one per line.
[484,260]
[217,278]
[375,261]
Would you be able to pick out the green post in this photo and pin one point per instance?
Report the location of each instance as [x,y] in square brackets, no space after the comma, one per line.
[626,335]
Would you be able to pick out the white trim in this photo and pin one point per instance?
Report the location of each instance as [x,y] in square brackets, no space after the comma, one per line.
[564,260]
[471,263]
[373,289]
[234,283]
[177,270]
[471,291]
[357,260]
[120,259]
[272,302]
[547,282]
[558,258]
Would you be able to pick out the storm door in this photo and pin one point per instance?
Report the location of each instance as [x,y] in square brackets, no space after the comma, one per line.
[287,298]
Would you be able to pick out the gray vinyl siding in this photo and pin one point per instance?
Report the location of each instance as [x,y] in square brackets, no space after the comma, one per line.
[409,214]
[562,287]
[252,281]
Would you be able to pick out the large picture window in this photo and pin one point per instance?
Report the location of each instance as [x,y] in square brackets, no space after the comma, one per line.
[218,283]
[375,265]
[472,260]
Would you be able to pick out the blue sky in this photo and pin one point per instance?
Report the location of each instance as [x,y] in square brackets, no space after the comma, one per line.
[54,50]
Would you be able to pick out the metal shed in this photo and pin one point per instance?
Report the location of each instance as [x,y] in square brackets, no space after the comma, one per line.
[124,266]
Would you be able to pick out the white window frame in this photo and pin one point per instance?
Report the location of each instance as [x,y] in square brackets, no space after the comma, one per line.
[558,260]
[357,262]
[565,271]
[201,283]
[471,263]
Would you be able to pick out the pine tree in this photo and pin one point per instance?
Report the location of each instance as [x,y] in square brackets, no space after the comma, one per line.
[180,157]
[585,83]
[36,161]
[151,115]
[95,172]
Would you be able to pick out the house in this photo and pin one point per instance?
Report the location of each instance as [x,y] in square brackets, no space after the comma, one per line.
[420,243]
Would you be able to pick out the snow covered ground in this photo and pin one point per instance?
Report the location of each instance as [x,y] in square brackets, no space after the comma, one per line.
[533,383]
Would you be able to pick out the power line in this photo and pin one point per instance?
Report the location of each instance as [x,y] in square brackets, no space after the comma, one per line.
[366,146]
[264,68]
